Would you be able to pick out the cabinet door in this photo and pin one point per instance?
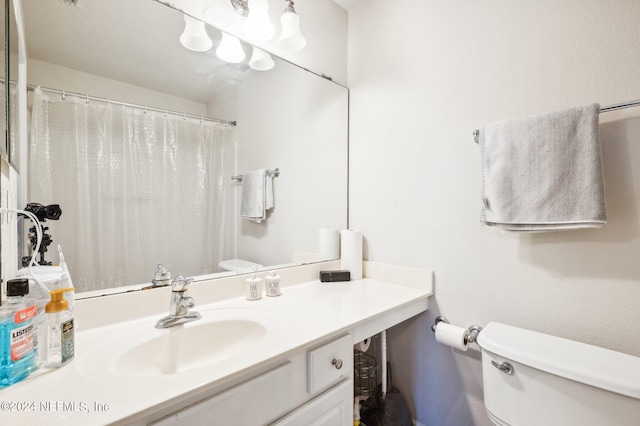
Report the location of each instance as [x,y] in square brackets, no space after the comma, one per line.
[333,408]
[254,402]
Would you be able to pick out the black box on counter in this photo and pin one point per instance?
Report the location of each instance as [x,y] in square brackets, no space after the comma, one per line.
[334,276]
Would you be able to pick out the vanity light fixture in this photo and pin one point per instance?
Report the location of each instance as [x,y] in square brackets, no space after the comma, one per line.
[241,7]
[258,26]
[195,35]
[261,60]
[291,38]
[230,49]
[77,3]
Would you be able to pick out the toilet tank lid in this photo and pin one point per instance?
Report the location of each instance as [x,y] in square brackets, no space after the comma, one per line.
[592,365]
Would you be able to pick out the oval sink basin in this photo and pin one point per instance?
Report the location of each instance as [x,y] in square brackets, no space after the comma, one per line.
[145,351]
[181,348]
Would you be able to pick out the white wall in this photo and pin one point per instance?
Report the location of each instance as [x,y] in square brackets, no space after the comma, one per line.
[423,75]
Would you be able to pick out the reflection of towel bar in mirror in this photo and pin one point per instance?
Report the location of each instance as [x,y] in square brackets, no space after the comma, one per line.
[271,173]
[631,104]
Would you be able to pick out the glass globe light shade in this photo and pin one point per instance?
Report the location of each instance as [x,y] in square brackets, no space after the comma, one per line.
[230,49]
[219,13]
[291,38]
[194,36]
[261,60]
[258,25]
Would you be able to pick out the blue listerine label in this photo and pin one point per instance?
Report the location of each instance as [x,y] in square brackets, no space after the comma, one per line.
[67,346]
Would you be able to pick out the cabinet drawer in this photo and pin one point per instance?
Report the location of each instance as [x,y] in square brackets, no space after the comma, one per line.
[329,363]
[254,402]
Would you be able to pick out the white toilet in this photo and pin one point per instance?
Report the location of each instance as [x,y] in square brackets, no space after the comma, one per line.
[238,265]
[533,379]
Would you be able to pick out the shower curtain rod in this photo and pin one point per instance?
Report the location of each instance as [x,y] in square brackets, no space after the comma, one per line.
[63,93]
[630,104]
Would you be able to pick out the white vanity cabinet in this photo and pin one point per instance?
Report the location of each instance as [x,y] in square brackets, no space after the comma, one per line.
[300,374]
[310,387]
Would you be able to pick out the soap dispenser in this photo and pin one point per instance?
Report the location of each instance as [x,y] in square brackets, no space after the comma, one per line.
[253,288]
[272,285]
[56,332]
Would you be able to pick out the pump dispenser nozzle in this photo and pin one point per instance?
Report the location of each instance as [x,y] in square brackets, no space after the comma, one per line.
[57,302]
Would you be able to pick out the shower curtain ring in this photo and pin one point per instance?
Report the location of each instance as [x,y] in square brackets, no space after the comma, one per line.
[63,95]
[145,109]
[184,116]
[87,100]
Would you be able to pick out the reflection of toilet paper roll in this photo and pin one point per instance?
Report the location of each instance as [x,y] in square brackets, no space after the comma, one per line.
[450,335]
[364,345]
[351,252]
[329,244]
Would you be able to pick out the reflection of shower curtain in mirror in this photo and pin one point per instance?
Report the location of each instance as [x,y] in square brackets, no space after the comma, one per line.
[136,188]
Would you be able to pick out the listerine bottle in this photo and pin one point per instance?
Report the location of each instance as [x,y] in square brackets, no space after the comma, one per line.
[17,347]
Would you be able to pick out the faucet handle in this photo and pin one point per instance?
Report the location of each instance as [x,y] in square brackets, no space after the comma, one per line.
[180,283]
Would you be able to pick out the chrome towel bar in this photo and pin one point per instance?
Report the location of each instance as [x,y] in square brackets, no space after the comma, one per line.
[631,104]
[271,173]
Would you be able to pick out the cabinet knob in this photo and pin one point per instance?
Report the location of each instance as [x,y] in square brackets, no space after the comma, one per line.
[337,362]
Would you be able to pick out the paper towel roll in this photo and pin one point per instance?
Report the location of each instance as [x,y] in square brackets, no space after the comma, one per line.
[351,252]
[451,335]
[364,345]
[329,244]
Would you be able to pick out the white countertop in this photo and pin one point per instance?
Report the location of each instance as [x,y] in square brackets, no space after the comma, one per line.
[303,315]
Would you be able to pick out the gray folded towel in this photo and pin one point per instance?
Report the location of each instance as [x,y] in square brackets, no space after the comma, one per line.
[543,172]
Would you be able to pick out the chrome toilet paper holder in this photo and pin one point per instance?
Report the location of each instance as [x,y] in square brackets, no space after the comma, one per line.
[473,330]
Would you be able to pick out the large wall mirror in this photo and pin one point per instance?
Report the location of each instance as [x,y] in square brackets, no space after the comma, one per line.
[123,137]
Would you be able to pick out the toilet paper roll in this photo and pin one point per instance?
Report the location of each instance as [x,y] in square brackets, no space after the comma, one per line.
[364,345]
[351,252]
[451,335]
[329,244]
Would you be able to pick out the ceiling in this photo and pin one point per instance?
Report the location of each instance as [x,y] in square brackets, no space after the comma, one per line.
[134,41]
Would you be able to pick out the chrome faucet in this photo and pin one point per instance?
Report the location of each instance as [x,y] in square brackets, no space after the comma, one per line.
[180,304]
[162,277]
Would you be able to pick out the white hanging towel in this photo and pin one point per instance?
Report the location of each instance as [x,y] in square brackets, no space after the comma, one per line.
[257,195]
[544,172]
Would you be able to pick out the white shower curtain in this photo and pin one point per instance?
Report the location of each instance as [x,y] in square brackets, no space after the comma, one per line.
[136,188]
